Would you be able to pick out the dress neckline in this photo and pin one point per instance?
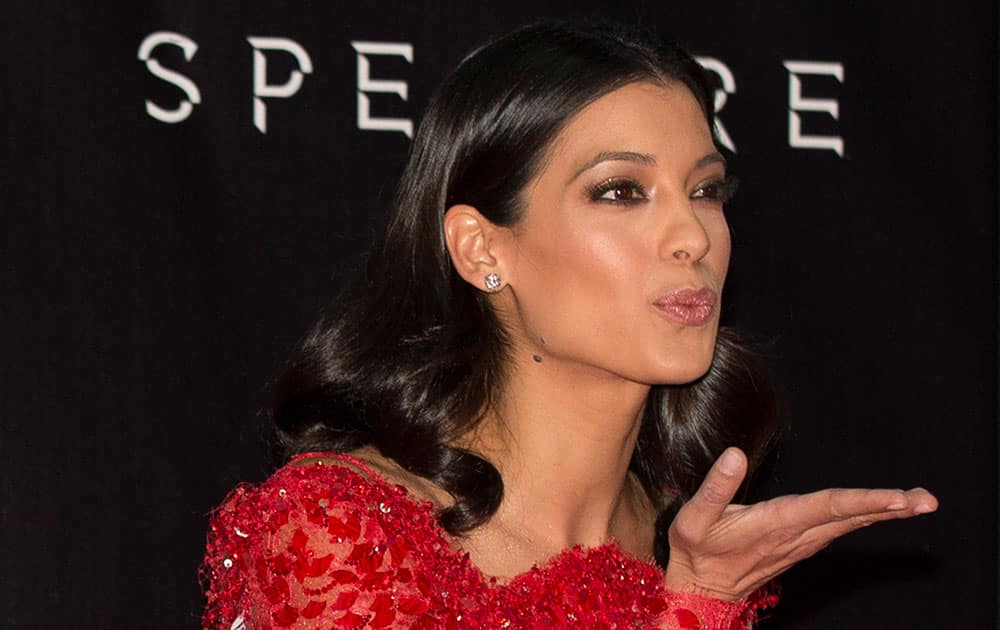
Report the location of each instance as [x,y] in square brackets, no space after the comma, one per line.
[451,541]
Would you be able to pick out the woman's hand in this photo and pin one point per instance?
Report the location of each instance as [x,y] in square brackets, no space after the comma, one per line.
[727,550]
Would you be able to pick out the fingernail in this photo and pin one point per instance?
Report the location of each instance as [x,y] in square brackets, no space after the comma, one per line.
[923,508]
[730,463]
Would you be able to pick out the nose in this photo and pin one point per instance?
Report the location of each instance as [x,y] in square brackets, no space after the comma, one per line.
[685,239]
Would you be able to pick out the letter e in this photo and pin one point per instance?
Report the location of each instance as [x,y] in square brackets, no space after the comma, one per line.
[796,104]
[368,84]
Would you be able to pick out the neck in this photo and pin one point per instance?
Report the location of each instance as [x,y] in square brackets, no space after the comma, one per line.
[562,437]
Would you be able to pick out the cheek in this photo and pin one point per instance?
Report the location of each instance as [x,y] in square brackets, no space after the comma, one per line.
[604,260]
[722,246]
[576,283]
[586,269]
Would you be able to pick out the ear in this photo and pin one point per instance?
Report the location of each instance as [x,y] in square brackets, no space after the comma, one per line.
[469,237]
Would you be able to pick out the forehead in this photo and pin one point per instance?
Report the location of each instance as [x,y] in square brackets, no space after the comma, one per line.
[662,120]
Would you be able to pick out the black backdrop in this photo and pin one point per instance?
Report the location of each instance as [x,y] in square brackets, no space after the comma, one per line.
[155,274]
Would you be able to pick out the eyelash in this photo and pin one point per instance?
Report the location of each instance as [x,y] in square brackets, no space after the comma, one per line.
[724,189]
[597,192]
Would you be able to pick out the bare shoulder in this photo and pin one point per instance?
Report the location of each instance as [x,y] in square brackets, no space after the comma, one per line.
[419,488]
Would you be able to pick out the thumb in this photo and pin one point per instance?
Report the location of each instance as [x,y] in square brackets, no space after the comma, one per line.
[714,494]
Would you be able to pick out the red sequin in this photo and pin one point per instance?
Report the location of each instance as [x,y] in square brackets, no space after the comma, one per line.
[687,619]
[320,546]
[313,609]
[345,599]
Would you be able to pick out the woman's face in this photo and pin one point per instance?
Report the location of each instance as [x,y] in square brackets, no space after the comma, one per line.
[618,262]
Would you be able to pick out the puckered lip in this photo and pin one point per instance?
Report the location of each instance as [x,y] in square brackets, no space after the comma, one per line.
[687,297]
[687,306]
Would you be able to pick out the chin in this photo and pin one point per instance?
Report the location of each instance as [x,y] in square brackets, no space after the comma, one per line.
[681,372]
[686,377]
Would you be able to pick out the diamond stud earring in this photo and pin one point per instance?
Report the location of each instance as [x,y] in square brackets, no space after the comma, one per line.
[492,282]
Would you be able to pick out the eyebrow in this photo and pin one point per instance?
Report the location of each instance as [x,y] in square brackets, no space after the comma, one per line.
[641,158]
[616,156]
[711,158]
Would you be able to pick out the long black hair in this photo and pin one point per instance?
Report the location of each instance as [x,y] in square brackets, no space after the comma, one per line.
[410,356]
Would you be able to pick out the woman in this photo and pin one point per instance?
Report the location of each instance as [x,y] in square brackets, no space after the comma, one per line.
[521,401]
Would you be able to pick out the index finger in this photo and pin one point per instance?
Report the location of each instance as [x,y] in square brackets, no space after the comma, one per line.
[838,504]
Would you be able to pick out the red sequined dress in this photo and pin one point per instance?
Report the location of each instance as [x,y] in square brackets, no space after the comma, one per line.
[326,546]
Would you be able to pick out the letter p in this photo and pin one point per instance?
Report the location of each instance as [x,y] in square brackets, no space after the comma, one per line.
[261,88]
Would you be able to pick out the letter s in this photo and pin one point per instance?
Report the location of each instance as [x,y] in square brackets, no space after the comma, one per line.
[187,85]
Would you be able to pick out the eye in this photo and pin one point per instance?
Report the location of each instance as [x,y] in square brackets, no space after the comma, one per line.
[717,190]
[618,191]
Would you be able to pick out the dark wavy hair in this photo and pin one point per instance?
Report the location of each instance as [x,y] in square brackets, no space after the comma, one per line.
[410,356]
